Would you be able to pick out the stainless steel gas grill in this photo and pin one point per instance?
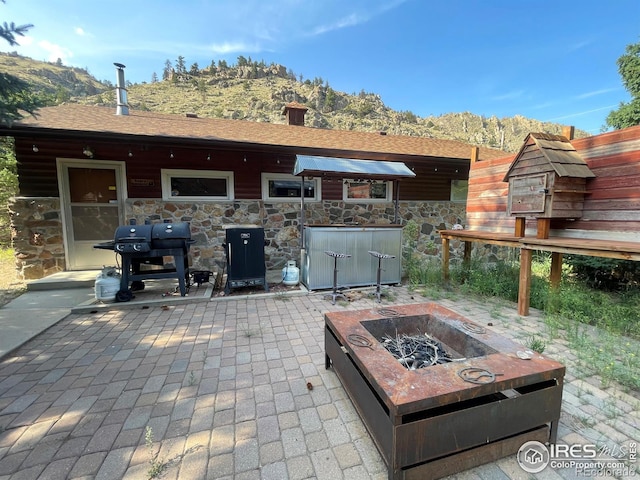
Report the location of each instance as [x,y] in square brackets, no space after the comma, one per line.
[143,248]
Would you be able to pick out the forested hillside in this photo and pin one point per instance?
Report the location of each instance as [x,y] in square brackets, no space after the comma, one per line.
[256,91]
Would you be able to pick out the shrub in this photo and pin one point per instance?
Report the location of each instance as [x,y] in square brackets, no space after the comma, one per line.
[605,273]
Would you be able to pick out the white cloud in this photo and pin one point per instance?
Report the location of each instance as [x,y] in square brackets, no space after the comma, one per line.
[55,52]
[79,31]
[348,21]
[366,13]
[595,93]
[509,95]
[25,41]
[231,47]
[578,46]
[579,114]
[543,105]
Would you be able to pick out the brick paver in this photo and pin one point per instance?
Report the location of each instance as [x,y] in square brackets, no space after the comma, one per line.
[233,388]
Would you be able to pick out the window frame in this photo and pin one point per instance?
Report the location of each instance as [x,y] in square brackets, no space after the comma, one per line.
[266,177]
[167,173]
[345,198]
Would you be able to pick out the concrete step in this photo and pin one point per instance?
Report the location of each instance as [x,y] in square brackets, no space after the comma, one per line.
[87,278]
[63,280]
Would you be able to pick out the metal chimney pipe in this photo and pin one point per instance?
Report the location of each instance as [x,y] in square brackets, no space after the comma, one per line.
[122,107]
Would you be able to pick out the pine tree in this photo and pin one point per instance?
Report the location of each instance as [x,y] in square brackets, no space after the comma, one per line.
[168,68]
[15,94]
[181,69]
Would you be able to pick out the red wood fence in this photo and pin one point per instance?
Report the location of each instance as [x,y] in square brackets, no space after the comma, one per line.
[611,206]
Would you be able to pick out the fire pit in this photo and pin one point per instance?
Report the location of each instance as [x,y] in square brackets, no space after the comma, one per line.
[483,403]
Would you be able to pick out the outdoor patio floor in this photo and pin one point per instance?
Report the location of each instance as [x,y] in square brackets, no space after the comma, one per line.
[235,388]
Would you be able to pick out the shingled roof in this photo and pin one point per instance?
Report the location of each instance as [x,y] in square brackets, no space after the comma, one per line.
[558,152]
[74,119]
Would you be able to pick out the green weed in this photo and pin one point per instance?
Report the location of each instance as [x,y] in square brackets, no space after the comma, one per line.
[571,312]
[156,467]
[536,344]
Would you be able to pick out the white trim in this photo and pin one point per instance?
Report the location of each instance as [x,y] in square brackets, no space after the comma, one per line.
[65,204]
[388,198]
[266,177]
[167,173]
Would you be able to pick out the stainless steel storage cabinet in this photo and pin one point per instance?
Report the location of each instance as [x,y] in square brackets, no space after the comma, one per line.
[359,270]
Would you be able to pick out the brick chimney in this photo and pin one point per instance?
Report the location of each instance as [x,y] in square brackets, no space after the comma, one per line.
[568,131]
[295,113]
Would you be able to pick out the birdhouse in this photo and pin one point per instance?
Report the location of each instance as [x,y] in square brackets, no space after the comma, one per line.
[547,179]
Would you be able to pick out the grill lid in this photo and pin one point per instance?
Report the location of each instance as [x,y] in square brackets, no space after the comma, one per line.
[133,233]
[162,231]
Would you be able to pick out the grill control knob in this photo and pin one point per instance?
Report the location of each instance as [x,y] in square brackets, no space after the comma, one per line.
[137,247]
[133,230]
[119,247]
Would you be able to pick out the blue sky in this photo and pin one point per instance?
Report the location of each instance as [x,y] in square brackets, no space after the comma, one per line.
[548,60]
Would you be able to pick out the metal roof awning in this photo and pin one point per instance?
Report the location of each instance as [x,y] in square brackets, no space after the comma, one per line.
[307,165]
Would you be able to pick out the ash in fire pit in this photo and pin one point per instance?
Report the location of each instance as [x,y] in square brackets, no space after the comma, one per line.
[416,351]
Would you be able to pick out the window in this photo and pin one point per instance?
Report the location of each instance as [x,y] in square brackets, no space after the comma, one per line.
[281,186]
[459,190]
[367,191]
[196,185]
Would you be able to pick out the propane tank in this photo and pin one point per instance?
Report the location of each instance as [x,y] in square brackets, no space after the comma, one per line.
[107,285]
[290,274]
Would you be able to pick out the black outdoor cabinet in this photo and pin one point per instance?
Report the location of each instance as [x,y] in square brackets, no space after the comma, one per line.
[244,250]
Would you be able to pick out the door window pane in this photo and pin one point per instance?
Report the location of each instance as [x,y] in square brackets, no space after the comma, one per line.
[94,223]
[92,185]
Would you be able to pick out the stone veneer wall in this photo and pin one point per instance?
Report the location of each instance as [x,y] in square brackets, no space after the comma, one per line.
[36,234]
[38,241]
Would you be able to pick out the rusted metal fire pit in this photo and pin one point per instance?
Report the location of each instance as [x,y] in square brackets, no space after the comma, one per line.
[431,422]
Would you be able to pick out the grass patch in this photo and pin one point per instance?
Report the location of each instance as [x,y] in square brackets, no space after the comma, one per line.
[601,328]
[536,344]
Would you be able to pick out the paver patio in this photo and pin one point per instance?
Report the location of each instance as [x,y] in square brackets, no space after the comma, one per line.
[234,388]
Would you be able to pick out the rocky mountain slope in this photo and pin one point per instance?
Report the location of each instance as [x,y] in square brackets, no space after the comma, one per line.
[255,91]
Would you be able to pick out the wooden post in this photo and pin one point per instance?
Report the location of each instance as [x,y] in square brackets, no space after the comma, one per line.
[556,269]
[521,225]
[524,288]
[544,227]
[475,153]
[445,259]
[467,253]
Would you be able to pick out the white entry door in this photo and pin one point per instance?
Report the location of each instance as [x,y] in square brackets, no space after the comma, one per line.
[92,197]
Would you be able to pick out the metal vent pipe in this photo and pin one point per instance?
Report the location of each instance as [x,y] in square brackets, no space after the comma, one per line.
[122,107]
